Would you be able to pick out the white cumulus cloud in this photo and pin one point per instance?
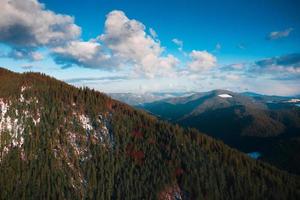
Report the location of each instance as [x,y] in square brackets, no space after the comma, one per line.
[131,45]
[201,61]
[27,23]
[87,54]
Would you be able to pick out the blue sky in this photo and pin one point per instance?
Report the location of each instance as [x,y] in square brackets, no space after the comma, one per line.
[145,46]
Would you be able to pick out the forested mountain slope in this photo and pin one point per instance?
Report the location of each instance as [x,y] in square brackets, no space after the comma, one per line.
[61,142]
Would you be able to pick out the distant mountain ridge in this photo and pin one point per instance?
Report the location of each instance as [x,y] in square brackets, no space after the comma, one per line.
[241,120]
[136,99]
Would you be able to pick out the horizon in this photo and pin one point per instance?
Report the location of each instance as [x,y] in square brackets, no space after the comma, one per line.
[146,47]
[165,92]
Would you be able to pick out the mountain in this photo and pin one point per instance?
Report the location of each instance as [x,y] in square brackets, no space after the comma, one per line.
[247,121]
[62,142]
[135,99]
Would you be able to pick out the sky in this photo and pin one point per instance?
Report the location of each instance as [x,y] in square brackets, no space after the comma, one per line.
[156,46]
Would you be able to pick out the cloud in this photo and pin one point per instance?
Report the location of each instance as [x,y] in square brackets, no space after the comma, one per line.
[232,77]
[123,44]
[280,67]
[283,67]
[279,34]
[86,54]
[234,67]
[201,61]
[87,79]
[289,62]
[179,43]
[226,76]
[28,25]
[153,33]
[273,87]
[27,54]
[128,43]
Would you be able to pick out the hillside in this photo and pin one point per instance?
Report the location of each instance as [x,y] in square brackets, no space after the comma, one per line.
[61,142]
[249,122]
